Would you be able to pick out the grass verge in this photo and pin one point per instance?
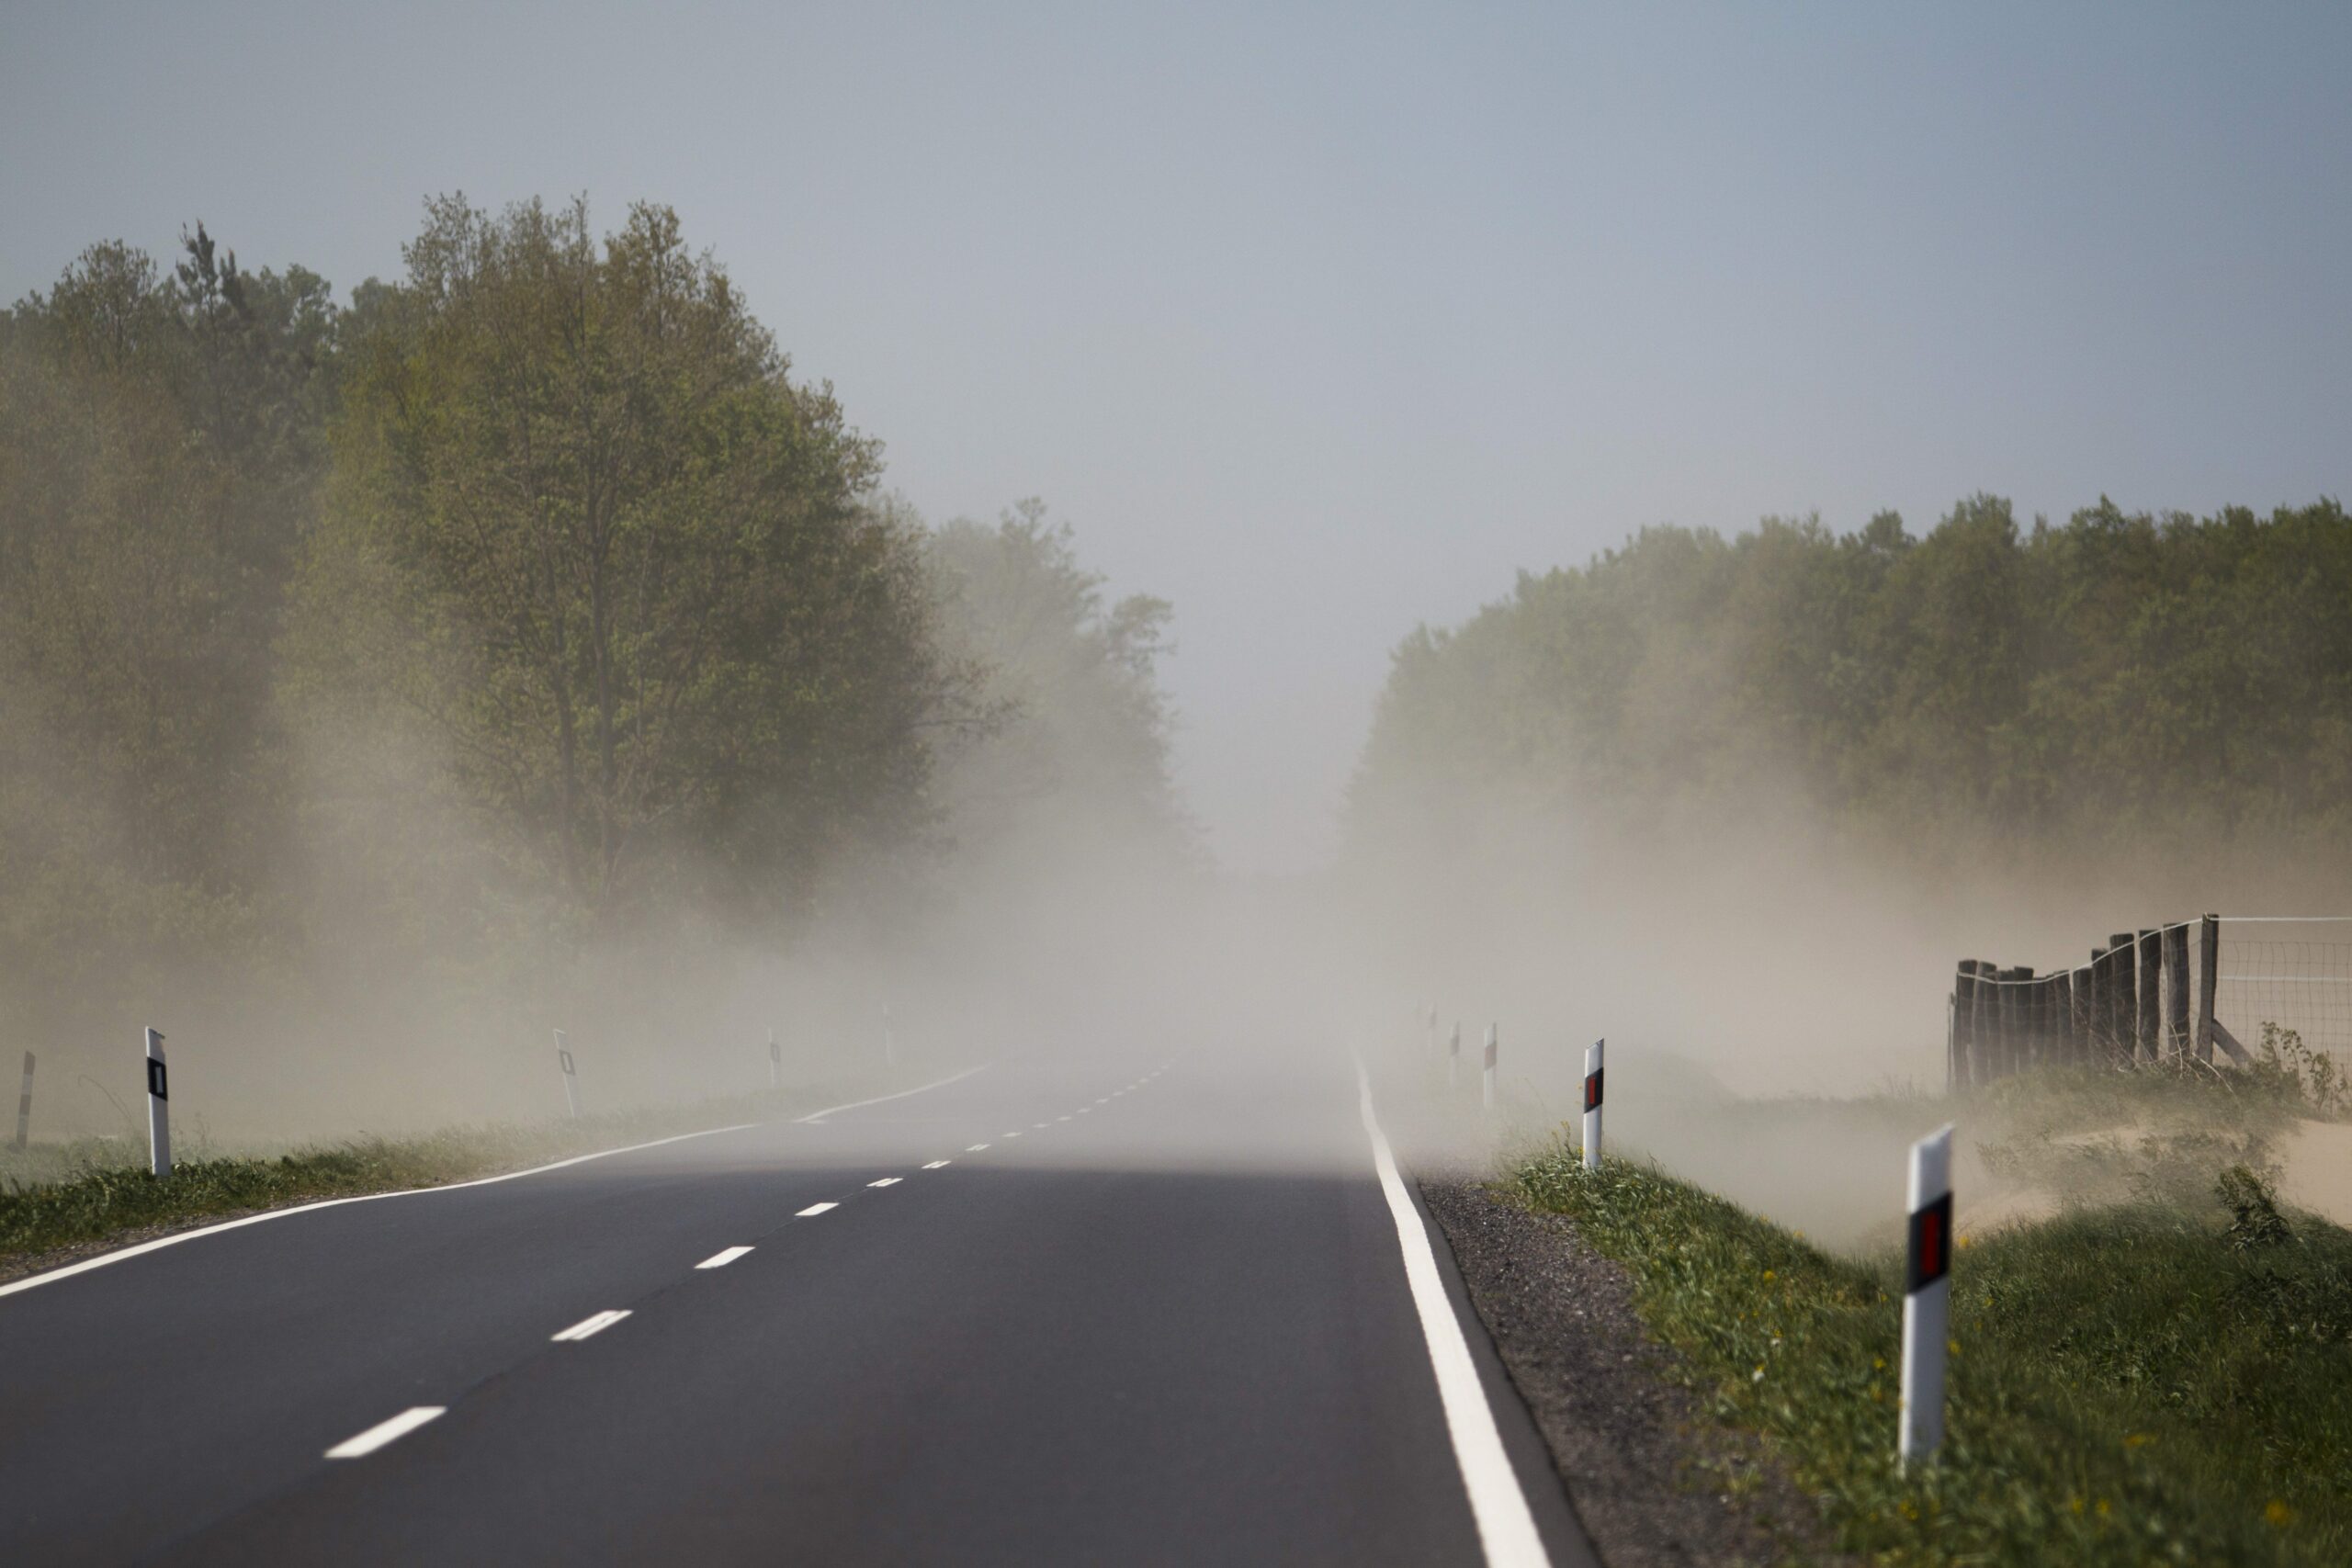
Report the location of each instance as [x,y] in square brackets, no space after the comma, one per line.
[2144,1382]
[99,1198]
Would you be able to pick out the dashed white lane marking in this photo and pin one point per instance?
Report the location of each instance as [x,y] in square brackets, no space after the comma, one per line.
[383,1432]
[975,1148]
[1008,1135]
[1039,1126]
[926,1089]
[1061,1118]
[721,1259]
[886,1181]
[103,1260]
[588,1326]
[934,1165]
[1084,1110]
[1506,1528]
[816,1209]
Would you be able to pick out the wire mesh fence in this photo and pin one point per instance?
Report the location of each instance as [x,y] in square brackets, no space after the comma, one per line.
[2296,974]
[2183,990]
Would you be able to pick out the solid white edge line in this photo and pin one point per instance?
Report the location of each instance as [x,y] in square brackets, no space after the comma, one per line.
[594,1323]
[67,1272]
[383,1432]
[174,1239]
[815,1209]
[1506,1528]
[721,1259]
[878,1099]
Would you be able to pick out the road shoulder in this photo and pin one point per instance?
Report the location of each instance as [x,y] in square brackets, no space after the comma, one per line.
[1652,1479]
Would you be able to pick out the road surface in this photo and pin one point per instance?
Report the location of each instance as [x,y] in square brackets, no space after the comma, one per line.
[1021,1317]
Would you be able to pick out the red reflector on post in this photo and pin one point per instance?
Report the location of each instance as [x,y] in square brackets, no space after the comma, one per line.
[1930,1250]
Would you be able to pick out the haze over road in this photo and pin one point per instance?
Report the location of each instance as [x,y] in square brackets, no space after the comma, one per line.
[997,1320]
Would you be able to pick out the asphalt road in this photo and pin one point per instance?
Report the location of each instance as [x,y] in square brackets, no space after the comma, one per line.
[1087,1343]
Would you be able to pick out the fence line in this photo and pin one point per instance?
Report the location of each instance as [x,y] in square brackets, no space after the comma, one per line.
[2151,995]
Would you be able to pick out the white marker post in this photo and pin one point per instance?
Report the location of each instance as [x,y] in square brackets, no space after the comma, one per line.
[1926,1298]
[775,1062]
[1489,1090]
[159,1110]
[1454,1055]
[25,1105]
[570,1075]
[1592,1104]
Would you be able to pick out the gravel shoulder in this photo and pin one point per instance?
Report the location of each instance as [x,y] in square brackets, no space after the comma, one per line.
[1653,1479]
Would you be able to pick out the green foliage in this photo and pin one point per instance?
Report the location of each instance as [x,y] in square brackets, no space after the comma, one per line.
[528,600]
[2130,1385]
[2254,1220]
[2293,1073]
[587,535]
[2090,678]
[159,447]
[1080,732]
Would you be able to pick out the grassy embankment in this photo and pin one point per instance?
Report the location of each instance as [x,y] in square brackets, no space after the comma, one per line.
[2166,1378]
[66,1196]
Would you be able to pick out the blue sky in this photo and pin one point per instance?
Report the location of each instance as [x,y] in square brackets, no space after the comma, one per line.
[1323,320]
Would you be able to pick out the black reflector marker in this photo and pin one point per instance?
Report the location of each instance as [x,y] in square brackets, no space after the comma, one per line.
[571,1075]
[159,1113]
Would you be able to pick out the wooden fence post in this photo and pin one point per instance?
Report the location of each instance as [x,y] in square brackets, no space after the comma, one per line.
[2086,1011]
[2123,995]
[2176,991]
[2151,1004]
[2005,1020]
[1988,1021]
[2046,1009]
[2066,1021]
[2021,1052]
[2095,1039]
[2208,966]
[1963,1024]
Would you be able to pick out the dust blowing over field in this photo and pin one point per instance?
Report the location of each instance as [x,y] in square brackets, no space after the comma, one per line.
[1738,803]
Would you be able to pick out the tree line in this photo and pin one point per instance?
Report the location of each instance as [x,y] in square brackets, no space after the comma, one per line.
[526,598]
[1985,688]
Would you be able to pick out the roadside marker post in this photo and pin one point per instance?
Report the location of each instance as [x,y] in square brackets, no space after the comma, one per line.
[775,1062]
[159,1108]
[1926,1298]
[570,1075]
[1592,1104]
[1454,1055]
[25,1105]
[1489,1076]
